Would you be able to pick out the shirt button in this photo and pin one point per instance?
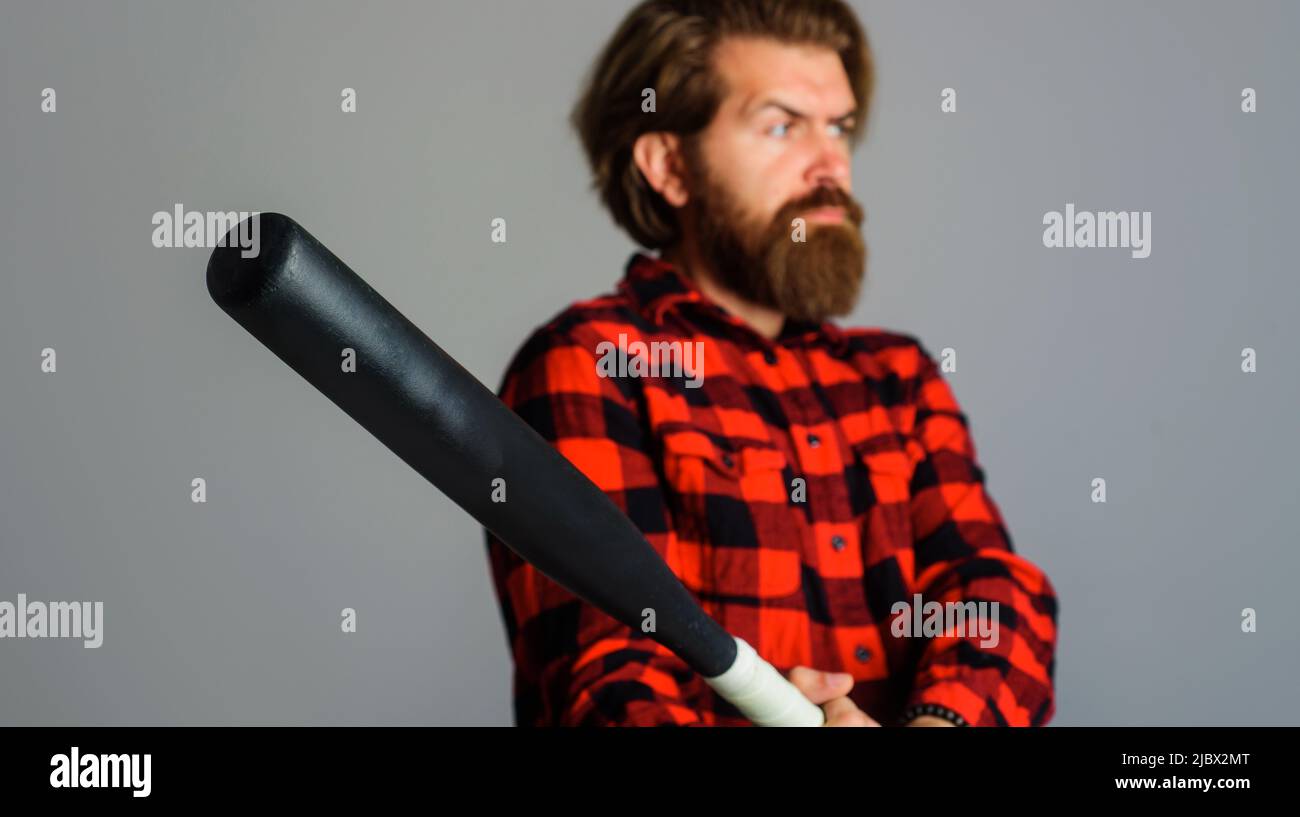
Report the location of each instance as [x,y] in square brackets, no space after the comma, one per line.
[862,654]
[837,542]
[727,460]
[769,357]
[814,441]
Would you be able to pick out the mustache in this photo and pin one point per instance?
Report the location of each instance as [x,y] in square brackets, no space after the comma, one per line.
[823,196]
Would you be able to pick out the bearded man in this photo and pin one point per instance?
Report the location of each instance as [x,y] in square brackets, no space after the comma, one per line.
[813,482]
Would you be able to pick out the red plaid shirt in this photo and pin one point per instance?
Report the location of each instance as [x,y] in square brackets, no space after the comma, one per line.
[803,489]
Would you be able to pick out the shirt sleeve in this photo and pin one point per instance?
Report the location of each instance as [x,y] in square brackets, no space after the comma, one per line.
[574,664]
[964,553]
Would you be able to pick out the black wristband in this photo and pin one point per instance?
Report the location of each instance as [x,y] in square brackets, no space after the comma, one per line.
[936,710]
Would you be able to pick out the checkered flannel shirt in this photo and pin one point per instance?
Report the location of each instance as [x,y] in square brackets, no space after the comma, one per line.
[806,487]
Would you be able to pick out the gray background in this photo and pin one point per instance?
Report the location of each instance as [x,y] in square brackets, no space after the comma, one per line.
[1072,363]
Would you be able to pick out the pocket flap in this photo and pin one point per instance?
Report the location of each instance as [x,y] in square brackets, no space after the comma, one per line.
[889,453]
[736,458]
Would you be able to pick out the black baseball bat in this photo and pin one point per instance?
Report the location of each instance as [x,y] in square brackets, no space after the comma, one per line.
[306,306]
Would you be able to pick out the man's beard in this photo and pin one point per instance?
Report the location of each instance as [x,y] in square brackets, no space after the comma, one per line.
[808,280]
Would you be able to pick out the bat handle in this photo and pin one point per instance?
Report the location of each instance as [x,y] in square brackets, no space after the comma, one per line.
[762,694]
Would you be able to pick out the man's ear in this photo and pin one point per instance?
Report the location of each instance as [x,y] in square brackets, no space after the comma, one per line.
[658,156]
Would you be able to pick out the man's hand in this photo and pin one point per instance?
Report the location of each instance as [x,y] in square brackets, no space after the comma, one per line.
[830,691]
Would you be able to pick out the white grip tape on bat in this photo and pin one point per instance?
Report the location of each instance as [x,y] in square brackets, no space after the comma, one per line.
[762,694]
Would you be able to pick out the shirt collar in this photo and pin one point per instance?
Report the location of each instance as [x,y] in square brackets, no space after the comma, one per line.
[657,289]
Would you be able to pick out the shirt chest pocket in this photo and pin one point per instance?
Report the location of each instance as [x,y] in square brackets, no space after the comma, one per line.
[736,531]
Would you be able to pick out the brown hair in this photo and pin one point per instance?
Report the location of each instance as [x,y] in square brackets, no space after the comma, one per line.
[668,45]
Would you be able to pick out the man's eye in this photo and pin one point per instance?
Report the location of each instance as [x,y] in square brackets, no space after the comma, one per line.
[781,126]
[842,129]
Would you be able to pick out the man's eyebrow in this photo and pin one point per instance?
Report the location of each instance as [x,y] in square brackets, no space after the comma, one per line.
[772,103]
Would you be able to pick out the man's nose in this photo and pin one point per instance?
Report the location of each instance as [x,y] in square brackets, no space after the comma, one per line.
[830,167]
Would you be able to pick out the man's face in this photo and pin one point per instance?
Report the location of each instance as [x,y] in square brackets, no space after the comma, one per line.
[778,151]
